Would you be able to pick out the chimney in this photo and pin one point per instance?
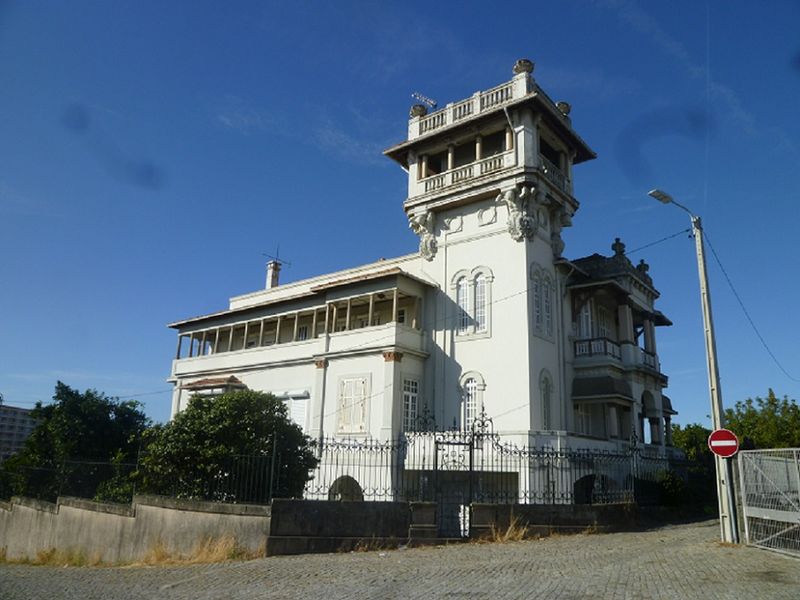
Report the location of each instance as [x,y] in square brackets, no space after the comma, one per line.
[273,269]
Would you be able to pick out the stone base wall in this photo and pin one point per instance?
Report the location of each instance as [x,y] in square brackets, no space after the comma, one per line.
[543,519]
[114,534]
[305,526]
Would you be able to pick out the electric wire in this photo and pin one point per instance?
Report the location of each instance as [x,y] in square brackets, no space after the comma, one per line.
[664,239]
[746,312]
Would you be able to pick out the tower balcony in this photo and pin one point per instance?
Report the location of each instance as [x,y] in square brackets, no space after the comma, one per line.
[591,352]
[465,175]
[478,103]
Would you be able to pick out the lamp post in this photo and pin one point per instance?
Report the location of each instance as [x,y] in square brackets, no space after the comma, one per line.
[729,529]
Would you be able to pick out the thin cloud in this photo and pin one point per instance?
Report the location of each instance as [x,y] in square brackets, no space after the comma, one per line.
[235,114]
[331,138]
[600,84]
[13,202]
[632,15]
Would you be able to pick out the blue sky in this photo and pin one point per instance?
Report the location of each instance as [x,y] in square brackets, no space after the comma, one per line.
[150,152]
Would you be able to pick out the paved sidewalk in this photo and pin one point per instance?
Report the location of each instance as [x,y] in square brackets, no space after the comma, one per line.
[680,562]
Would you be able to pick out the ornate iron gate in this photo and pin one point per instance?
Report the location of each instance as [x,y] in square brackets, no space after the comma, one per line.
[770,489]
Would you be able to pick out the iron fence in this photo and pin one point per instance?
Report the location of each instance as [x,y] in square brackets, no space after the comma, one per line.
[770,491]
[479,466]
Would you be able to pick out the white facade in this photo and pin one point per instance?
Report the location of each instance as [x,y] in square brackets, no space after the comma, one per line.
[488,316]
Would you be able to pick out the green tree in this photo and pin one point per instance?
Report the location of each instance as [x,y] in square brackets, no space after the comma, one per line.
[76,437]
[698,491]
[768,422]
[239,446]
[693,440]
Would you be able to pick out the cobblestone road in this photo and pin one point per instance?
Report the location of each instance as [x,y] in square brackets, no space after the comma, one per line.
[679,562]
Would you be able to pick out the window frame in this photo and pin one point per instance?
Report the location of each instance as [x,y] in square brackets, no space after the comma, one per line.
[346,405]
[542,290]
[472,293]
[410,403]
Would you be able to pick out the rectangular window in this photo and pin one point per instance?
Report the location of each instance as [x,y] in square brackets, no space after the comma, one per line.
[410,404]
[603,322]
[585,321]
[302,332]
[401,315]
[583,419]
[352,405]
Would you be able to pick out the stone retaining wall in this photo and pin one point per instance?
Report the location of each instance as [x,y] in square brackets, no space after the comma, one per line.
[114,534]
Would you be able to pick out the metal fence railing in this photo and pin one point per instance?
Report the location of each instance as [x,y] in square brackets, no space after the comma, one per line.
[477,465]
[770,492]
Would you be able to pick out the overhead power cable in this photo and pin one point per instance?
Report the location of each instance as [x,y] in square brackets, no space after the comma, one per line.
[669,237]
[745,311]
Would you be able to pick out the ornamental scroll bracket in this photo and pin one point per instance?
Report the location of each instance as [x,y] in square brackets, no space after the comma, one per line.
[521,219]
[422,224]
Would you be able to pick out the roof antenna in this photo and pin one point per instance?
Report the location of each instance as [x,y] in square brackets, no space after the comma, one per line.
[424,99]
[274,267]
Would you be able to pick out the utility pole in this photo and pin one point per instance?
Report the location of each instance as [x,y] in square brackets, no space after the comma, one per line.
[729,529]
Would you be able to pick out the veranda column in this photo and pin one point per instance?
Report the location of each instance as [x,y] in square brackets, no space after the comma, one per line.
[392,406]
[613,422]
[317,425]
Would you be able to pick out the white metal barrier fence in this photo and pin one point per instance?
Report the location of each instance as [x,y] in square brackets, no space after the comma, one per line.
[770,488]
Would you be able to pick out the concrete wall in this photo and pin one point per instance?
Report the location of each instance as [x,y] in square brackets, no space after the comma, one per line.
[303,526]
[543,519]
[117,534]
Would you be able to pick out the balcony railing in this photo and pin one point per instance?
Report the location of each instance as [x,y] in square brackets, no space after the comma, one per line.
[479,102]
[554,175]
[649,359]
[478,168]
[597,347]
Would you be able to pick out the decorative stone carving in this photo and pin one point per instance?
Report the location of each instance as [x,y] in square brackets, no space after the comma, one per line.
[523,65]
[392,356]
[418,110]
[564,108]
[454,224]
[521,224]
[618,247]
[558,221]
[487,216]
[321,364]
[422,225]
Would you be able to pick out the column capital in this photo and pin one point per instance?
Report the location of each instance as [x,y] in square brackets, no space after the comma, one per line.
[392,356]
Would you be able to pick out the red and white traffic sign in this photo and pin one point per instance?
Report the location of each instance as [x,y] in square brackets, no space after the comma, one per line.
[723,442]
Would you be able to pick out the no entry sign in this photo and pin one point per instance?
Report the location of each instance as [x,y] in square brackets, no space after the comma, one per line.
[723,442]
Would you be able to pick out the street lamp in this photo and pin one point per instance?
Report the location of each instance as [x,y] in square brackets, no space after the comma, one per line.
[727,505]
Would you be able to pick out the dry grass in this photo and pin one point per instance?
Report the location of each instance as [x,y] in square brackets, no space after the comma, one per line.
[374,544]
[515,532]
[55,558]
[208,550]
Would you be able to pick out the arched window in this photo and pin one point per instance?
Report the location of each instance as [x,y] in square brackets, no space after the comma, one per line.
[480,304]
[470,402]
[538,309]
[547,307]
[546,394]
[462,299]
[473,299]
[472,386]
[542,297]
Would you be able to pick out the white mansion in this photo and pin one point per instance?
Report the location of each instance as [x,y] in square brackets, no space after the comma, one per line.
[488,316]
